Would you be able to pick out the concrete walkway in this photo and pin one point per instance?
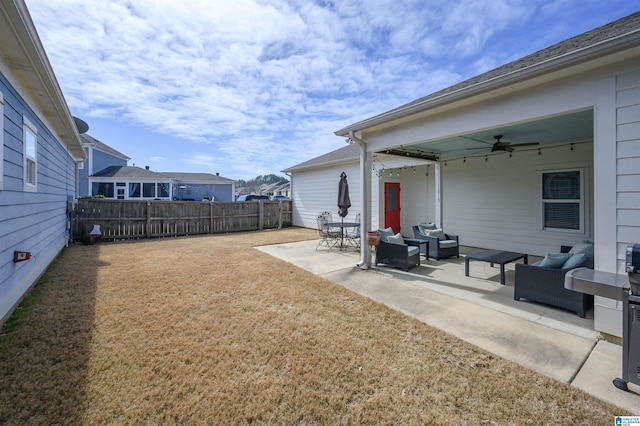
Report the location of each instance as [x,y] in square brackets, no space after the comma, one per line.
[481,311]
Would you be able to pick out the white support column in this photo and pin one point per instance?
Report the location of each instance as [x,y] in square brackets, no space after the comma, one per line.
[365,201]
[607,312]
[438,194]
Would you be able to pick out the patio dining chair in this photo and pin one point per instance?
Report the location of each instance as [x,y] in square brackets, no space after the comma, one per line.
[328,237]
[353,234]
[328,217]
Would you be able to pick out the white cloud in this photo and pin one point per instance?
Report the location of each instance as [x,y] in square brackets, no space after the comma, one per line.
[248,77]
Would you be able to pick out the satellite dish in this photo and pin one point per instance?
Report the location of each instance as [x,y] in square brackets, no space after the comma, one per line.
[81,125]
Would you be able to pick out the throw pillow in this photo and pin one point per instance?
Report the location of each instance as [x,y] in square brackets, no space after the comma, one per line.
[575,261]
[437,233]
[395,239]
[582,247]
[585,247]
[385,233]
[554,260]
[424,227]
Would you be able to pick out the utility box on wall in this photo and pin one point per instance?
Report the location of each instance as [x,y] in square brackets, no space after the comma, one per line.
[21,256]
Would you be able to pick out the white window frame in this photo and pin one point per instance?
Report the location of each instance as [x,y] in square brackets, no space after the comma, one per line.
[1,139]
[581,202]
[28,127]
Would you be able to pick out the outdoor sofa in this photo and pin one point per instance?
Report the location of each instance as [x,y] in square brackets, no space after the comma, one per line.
[441,245]
[543,282]
[394,251]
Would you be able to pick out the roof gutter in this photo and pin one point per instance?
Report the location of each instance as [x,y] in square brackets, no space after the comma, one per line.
[598,50]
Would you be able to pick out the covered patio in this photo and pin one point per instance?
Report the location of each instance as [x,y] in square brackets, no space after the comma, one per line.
[528,157]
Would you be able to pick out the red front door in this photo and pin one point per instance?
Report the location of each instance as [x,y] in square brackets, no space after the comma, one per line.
[392,206]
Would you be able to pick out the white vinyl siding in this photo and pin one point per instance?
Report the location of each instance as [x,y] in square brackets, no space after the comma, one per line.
[316,190]
[30,164]
[495,203]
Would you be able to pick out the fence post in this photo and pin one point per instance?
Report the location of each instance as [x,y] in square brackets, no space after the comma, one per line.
[260,215]
[279,214]
[148,219]
[211,217]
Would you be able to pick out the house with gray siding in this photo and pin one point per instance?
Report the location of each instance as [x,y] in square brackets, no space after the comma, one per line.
[201,186]
[40,150]
[99,157]
[136,183]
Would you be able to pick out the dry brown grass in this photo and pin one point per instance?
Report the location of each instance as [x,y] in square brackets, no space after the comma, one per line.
[208,330]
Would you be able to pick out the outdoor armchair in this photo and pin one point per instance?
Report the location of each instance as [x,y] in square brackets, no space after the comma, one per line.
[440,245]
[394,251]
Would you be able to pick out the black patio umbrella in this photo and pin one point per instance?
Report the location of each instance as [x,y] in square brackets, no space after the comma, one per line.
[343,196]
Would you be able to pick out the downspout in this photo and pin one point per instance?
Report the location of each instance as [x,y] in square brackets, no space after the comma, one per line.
[365,193]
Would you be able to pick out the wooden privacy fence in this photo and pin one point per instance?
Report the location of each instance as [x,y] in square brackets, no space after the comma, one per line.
[126,219]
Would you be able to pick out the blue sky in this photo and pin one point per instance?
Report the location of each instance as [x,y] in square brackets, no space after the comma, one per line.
[251,87]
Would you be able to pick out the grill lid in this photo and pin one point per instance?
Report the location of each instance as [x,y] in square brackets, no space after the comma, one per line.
[598,283]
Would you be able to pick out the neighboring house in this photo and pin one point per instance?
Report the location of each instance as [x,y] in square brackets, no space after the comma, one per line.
[128,182]
[40,147]
[576,106]
[277,188]
[105,172]
[99,156]
[281,189]
[202,186]
[136,183]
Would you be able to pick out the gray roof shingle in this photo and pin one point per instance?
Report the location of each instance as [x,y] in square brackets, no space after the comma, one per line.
[198,177]
[132,172]
[128,172]
[342,155]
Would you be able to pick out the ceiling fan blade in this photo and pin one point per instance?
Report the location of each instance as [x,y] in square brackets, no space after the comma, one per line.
[526,144]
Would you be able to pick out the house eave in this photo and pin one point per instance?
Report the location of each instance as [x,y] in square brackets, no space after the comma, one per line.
[322,165]
[580,60]
[28,61]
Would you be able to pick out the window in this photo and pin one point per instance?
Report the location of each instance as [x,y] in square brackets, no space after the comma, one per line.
[134,190]
[30,137]
[149,190]
[563,200]
[102,188]
[163,190]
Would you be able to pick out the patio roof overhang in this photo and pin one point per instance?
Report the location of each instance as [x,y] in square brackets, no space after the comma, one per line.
[560,61]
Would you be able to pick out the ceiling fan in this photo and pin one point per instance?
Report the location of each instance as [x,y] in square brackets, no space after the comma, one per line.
[506,146]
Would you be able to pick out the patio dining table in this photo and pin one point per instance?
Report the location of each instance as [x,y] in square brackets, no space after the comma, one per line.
[342,226]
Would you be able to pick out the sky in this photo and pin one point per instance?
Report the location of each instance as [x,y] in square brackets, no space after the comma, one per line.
[251,87]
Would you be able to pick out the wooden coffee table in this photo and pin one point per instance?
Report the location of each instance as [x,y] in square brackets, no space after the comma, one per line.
[495,256]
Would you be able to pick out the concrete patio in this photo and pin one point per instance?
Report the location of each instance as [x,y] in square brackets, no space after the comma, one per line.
[481,311]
